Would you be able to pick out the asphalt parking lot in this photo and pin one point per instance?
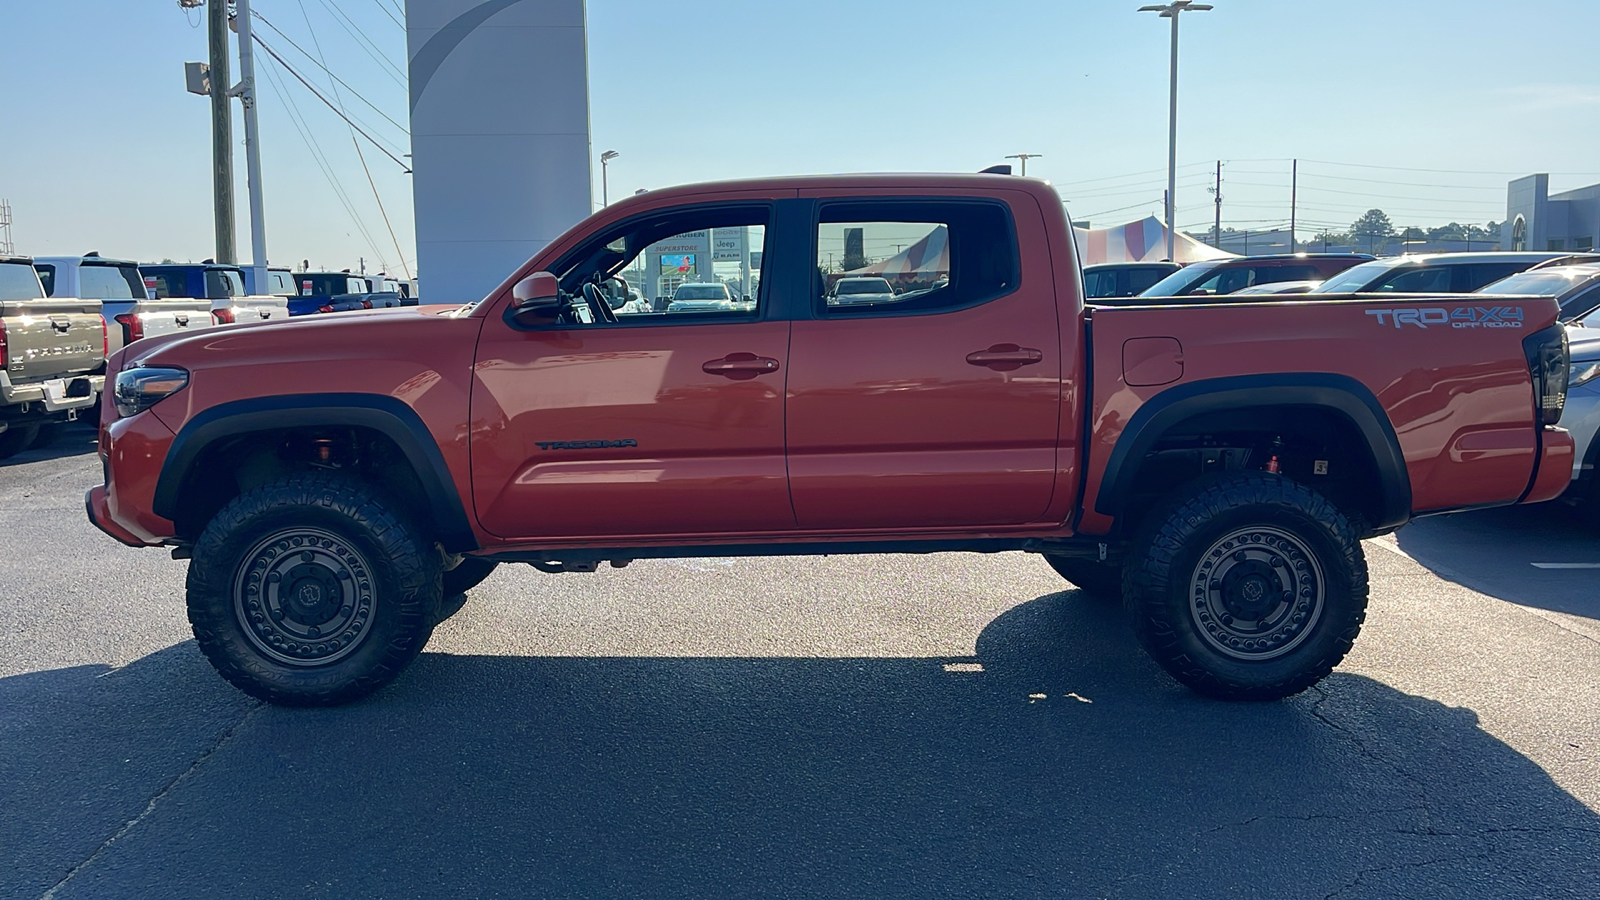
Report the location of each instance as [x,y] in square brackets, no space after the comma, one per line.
[953,725]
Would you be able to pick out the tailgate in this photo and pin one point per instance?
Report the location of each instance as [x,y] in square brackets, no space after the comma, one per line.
[172,316]
[47,339]
[251,308]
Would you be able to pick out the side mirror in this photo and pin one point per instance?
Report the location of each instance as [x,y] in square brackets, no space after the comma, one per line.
[537,298]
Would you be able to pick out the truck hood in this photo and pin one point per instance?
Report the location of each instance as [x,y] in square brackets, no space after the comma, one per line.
[321,337]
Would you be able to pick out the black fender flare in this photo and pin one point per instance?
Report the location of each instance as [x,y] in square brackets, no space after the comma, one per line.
[383,414]
[1339,393]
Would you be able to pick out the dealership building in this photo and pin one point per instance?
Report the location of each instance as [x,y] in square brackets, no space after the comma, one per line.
[1539,220]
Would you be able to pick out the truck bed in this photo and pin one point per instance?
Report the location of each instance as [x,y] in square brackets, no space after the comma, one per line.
[51,349]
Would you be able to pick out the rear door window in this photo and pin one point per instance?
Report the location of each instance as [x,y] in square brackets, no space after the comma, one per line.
[1470,278]
[98,282]
[18,281]
[1140,280]
[933,254]
[281,283]
[1416,280]
[222,283]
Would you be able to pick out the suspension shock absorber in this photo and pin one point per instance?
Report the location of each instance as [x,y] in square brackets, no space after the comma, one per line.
[1274,450]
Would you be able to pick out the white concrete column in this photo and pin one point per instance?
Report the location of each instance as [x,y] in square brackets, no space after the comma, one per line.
[499,136]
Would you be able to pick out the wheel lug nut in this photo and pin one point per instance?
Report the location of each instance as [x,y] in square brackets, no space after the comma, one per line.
[307,555]
[344,574]
[314,631]
[274,578]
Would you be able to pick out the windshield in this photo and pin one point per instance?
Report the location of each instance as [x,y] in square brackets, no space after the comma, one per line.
[18,281]
[700,292]
[1180,281]
[864,286]
[1542,282]
[1357,277]
[99,282]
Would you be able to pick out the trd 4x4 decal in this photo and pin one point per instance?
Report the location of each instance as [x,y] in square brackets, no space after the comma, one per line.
[1458,317]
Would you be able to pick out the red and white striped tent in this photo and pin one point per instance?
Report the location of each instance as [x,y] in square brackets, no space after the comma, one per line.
[925,260]
[1141,241]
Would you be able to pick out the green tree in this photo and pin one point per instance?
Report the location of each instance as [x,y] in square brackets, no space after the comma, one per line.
[1372,228]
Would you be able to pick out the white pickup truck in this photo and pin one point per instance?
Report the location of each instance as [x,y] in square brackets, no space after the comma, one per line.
[51,351]
[129,311]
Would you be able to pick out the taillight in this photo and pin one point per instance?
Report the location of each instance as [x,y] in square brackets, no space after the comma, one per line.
[105,338]
[223,316]
[324,308]
[4,360]
[1549,364]
[366,304]
[132,327]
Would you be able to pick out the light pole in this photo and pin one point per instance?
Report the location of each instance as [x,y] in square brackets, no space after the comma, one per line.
[605,190]
[1025,157]
[1171,11]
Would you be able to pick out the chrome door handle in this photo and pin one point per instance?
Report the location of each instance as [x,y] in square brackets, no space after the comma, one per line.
[1005,357]
[740,366]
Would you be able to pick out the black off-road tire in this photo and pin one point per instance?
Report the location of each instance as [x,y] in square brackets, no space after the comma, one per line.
[1190,576]
[468,574]
[49,433]
[312,591]
[1100,580]
[16,439]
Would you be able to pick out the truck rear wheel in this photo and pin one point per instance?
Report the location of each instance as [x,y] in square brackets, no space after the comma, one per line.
[1247,586]
[16,439]
[312,591]
[49,433]
[1097,579]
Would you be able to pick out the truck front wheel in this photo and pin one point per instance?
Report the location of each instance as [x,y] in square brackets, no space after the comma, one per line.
[312,591]
[1247,586]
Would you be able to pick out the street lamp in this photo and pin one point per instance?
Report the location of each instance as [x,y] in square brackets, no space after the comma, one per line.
[605,192]
[1025,157]
[1171,11]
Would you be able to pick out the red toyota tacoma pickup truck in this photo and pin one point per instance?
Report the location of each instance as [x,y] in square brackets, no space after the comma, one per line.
[339,482]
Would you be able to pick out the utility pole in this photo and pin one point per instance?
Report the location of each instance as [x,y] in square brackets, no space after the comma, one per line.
[221,130]
[1294,190]
[1171,11]
[1025,157]
[246,92]
[1216,230]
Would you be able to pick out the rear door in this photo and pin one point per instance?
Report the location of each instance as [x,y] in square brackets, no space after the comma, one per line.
[655,424]
[940,407]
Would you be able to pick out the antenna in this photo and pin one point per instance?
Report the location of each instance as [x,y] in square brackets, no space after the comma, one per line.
[6,247]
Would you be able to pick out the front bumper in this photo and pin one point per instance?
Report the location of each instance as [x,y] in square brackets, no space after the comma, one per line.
[1555,466]
[132,451]
[38,392]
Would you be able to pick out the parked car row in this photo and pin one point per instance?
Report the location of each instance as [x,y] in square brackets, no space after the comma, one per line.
[61,317]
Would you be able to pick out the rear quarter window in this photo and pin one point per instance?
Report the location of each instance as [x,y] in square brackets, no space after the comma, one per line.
[18,281]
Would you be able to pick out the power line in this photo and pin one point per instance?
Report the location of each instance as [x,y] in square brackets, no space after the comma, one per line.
[355,31]
[386,12]
[329,73]
[308,136]
[339,112]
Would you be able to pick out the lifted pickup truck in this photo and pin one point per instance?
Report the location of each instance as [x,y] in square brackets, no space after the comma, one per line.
[339,482]
[220,284]
[50,351]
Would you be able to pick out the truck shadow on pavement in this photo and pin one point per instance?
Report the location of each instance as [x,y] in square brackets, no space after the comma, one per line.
[77,439]
[1055,762]
[1495,551]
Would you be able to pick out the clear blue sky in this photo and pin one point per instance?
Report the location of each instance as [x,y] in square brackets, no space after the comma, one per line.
[101,148]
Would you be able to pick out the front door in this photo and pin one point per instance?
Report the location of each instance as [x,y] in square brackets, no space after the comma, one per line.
[936,404]
[660,423]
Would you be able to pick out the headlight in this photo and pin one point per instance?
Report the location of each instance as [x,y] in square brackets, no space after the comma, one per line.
[140,388]
[1583,373]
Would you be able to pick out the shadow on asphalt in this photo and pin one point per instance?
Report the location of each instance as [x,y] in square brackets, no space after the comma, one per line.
[1494,551]
[1067,766]
[76,439]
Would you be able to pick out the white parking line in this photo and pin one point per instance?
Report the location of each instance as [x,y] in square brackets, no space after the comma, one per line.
[1565,565]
